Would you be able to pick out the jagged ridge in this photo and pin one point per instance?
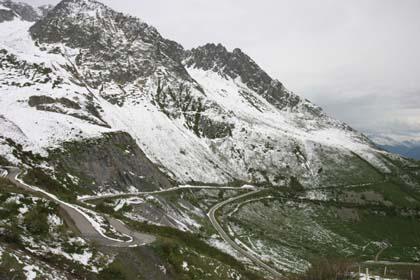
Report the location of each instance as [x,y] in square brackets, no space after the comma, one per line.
[206,114]
[237,64]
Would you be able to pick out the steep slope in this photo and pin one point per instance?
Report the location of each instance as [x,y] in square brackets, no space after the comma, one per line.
[113,161]
[10,10]
[203,115]
[237,64]
[37,240]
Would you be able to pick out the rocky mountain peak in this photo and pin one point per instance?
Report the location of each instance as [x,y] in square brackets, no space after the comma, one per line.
[232,64]
[44,9]
[82,9]
[237,64]
[120,48]
[10,10]
[74,21]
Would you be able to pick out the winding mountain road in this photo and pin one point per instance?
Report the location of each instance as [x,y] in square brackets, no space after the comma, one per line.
[226,237]
[131,194]
[88,227]
[90,230]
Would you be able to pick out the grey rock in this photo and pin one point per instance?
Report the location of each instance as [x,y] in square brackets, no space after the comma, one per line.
[37,100]
[24,11]
[237,64]
[6,15]
[112,162]
[122,59]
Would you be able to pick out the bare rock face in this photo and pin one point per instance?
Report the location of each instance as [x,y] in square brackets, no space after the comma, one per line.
[6,15]
[112,162]
[122,51]
[121,47]
[10,10]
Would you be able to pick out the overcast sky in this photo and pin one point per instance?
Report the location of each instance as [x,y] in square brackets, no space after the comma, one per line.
[358,59]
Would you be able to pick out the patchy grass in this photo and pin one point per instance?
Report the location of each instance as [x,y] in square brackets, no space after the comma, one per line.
[39,178]
[115,271]
[328,269]
[392,271]
[301,230]
[191,264]
[31,228]
[10,268]
[395,193]
[172,238]
[4,162]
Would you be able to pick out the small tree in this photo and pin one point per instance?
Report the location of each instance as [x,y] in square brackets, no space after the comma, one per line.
[36,220]
[114,271]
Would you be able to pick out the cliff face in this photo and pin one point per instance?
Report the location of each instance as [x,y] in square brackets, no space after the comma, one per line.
[113,161]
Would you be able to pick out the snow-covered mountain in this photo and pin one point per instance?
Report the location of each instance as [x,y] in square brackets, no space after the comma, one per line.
[230,173]
[203,115]
[405,145]
[10,10]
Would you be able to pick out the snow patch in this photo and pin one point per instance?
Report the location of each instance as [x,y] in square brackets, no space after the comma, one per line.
[30,272]
[185,266]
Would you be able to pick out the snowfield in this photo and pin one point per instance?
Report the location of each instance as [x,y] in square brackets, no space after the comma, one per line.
[265,143]
[36,130]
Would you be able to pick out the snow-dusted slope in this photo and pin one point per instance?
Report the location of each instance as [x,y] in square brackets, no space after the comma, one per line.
[205,115]
[25,72]
[10,10]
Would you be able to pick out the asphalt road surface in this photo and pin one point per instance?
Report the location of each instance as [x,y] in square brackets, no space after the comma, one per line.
[88,229]
[255,259]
